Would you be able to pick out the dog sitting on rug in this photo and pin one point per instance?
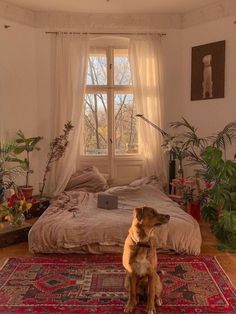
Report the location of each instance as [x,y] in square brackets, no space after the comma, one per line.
[140,259]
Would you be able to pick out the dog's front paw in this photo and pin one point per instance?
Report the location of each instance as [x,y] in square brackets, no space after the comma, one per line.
[159,301]
[151,310]
[129,308]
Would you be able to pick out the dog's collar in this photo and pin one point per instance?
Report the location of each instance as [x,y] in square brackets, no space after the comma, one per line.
[143,244]
[133,239]
[138,244]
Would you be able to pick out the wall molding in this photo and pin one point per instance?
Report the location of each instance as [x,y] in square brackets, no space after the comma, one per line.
[17,14]
[116,22]
[219,10]
[108,22]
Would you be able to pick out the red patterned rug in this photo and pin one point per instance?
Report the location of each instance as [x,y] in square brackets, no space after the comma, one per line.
[95,284]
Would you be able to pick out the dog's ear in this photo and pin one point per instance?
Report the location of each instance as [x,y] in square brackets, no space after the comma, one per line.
[138,212]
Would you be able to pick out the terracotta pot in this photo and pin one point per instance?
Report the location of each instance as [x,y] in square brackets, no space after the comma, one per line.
[27,191]
[195,210]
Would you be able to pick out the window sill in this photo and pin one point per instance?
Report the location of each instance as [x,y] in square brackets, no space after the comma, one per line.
[116,158]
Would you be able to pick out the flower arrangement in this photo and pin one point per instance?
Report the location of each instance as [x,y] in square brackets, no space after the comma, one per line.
[184,188]
[14,207]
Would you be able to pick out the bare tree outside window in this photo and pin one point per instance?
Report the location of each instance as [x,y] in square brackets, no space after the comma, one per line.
[125,126]
[109,97]
[97,69]
[95,135]
[122,74]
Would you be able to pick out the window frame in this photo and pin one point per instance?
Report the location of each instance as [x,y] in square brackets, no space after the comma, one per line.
[110,89]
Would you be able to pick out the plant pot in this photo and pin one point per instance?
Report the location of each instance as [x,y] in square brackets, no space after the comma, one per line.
[27,191]
[195,210]
[1,191]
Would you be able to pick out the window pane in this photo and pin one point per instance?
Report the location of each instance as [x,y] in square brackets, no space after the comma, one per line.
[125,125]
[95,133]
[122,74]
[97,69]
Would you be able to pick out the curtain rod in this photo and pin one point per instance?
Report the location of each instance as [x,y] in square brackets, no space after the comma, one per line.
[148,33]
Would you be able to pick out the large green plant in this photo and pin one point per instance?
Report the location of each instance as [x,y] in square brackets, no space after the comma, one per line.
[28,145]
[219,200]
[196,144]
[219,174]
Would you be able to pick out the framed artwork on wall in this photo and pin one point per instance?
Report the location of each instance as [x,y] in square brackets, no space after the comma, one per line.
[208,71]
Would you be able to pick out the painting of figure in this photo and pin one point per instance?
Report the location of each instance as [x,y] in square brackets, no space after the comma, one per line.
[208,71]
[207,83]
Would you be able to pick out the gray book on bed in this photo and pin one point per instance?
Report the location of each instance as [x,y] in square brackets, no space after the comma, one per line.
[107,201]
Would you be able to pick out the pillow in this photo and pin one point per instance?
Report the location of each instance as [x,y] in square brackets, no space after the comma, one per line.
[146,180]
[89,179]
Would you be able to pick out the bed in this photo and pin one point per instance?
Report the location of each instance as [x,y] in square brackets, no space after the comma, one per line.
[74,224]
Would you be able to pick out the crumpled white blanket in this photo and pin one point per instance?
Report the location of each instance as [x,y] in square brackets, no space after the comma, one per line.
[73,223]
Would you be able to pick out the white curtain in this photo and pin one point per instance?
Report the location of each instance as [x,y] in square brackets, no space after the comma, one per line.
[144,55]
[71,59]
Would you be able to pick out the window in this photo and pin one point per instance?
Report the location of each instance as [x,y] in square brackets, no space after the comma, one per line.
[110,127]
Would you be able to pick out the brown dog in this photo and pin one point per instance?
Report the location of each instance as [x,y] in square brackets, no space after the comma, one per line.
[140,258]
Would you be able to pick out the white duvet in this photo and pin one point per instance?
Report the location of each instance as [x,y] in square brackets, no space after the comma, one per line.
[73,223]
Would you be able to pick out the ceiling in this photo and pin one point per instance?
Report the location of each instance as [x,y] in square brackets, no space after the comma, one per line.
[114,6]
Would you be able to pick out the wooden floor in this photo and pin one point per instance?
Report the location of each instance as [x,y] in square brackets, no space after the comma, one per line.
[209,247]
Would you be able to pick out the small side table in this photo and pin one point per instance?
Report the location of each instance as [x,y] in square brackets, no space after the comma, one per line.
[193,208]
[11,235]
[176,198]
[37,209]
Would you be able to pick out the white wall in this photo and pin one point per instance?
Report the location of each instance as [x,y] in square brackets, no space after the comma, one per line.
[18,89]
[44,80]
[26,89]
[209,115]
[172,68]
[17,78]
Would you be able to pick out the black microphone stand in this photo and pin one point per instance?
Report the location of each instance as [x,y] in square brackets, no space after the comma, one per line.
[172,165]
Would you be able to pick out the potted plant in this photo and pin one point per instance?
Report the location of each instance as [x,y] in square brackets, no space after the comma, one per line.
[8,171]
[28,145]
[57,149]
[178,148]
[218,197]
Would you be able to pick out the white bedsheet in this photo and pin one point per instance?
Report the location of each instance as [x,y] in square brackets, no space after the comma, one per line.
[73,223]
